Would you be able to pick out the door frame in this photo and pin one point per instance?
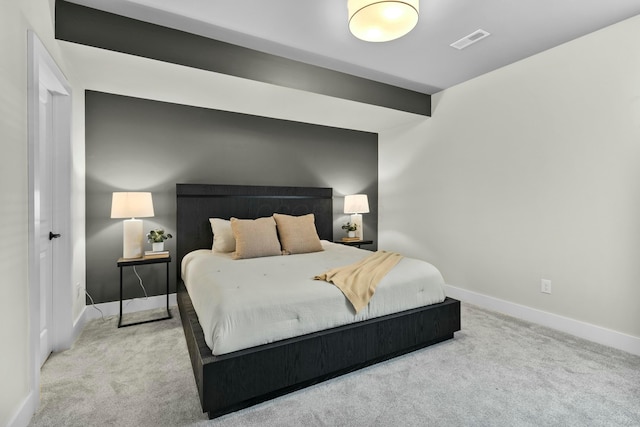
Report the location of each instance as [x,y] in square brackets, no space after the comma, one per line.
[44,74]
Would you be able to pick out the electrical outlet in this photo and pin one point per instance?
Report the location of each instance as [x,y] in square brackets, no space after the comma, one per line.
[545,286]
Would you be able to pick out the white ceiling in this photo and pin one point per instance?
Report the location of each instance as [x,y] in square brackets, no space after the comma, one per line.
[316,32]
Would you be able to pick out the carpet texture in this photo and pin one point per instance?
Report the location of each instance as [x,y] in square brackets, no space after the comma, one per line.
[497,371]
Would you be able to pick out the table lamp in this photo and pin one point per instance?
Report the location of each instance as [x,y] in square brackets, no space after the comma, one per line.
[132,205]
[356,204]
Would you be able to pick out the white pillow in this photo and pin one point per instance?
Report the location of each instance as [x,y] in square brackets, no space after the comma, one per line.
[223,240]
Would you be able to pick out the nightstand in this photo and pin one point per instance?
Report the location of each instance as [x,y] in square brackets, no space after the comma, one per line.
[124,262]
[355,243]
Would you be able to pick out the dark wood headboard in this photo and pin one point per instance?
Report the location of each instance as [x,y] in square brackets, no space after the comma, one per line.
[196,203]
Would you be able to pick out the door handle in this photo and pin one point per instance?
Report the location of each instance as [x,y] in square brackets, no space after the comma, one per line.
[52,235]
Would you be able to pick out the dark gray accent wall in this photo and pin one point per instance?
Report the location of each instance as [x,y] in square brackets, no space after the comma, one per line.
[135,144]
[92,27]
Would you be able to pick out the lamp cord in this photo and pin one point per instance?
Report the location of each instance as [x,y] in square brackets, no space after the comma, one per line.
[140,280]
[93,304]
[141,285]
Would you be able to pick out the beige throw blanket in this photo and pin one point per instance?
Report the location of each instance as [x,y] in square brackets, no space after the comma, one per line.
[358,281]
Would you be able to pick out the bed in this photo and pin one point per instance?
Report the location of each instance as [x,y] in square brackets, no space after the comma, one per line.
[240,378]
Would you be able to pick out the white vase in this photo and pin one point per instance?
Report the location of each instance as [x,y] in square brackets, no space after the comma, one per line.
[351,233]
[157,247]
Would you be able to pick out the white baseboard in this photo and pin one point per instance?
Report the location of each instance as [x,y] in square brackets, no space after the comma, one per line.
[129,306]
[574,327]
[25,412]
[79,325]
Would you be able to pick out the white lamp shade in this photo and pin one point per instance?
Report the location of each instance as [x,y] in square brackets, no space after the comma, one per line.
[131,205]
[381,21]
[356,203]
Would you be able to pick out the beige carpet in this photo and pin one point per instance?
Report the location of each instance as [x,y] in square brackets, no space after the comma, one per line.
[498,371]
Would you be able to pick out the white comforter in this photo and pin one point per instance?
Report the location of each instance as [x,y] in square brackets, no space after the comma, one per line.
[245,303]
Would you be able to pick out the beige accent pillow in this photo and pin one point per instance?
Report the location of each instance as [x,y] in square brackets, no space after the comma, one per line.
[298,234]
[223,240]
[255,238]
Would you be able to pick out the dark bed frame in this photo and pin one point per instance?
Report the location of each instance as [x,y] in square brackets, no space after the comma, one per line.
[243,378]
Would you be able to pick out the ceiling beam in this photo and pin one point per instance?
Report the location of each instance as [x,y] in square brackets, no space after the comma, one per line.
[92,27]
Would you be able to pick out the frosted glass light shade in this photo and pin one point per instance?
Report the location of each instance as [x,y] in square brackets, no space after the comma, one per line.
[356,203]
[131,205]
[382,21]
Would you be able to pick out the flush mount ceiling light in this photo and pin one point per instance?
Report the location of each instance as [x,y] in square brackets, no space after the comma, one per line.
[382,21]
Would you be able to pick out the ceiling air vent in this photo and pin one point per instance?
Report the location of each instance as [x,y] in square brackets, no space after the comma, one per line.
[466,41]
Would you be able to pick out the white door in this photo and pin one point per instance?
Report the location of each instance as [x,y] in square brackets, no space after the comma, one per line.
[51,325]
[44,199]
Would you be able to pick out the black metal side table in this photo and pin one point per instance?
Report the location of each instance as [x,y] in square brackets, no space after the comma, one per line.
[124,262]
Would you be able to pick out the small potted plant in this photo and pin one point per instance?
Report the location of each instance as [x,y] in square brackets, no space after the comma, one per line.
[351,229]
[157,237]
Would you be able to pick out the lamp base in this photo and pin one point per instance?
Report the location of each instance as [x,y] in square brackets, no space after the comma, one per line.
[357,219]
[132,238]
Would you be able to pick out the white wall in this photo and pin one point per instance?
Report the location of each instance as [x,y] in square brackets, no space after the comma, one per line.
[118,73]
[13,210]
[529,172]
[16,18]
[78,267]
